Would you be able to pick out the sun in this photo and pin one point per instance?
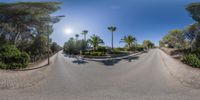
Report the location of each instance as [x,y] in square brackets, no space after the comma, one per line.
[68,31]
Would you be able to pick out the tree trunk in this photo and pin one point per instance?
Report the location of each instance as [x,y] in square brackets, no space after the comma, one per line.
[85,37]
[112,40]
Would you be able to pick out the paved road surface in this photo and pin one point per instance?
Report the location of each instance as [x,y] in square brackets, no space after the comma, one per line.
[143,78]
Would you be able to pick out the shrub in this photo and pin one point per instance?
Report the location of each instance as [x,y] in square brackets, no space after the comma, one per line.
[12,58]
[101,49]
[119,49]
[197,52]
[192,60]
[140,48]
[92,53]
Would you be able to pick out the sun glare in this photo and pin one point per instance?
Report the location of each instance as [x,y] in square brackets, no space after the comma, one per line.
[68,31]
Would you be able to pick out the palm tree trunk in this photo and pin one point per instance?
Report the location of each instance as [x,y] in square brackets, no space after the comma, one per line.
[85,37]
[112,40]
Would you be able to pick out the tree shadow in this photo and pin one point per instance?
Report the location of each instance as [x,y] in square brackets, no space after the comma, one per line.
[110,62]
[79,61]
[76,60]
[129,59]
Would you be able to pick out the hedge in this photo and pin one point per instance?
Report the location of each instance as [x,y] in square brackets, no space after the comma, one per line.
[12,58]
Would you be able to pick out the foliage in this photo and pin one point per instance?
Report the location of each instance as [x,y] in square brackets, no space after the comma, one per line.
[12,58]
[147,44]
[192,60]
[70,46]
[94,53]
[27,25]
[39,46]
[174,39]
[84,33]
[117,51]
[22,18]
[129,40]
[95,41]
[197,52]
[55,47]
[101,49]
[73,46]
[194,10]
[112,29]
[140,48]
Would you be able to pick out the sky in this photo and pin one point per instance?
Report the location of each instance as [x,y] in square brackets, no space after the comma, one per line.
[144,19]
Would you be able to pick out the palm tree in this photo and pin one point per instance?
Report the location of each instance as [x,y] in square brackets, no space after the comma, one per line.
[77,36]
[95,41]
[112,29]
[148,44]
[129,40]
[84,33]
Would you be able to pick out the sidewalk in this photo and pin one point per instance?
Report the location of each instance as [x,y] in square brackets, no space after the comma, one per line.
[25,77]
[185,74]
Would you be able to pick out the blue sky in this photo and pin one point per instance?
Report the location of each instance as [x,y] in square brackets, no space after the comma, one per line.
[144,19]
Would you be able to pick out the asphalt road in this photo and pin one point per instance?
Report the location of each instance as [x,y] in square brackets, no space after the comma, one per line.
[145,77]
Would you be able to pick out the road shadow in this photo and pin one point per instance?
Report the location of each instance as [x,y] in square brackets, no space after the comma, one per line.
[111,62]
[77,60]
[129,59]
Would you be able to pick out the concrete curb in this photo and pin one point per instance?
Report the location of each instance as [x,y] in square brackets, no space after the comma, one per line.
[115,58]
[24,78]
[187,75]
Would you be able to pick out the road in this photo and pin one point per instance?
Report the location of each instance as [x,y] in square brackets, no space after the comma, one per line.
[143,78]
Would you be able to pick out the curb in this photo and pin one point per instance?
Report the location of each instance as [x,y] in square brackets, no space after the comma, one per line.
[115,58]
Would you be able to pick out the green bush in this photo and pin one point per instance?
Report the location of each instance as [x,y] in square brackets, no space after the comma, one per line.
[192,60]
[117,52]
[92,53]
[140,48]
[101,49]
[197,52]
[12,58]
[119,49]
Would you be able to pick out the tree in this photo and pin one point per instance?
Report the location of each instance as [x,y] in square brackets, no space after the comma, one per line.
[70,46]
[24,17]
[55,47]
[191,33]
[77,36]
[95,41]
[148,44]
[112,29]
[39,46]
[175,39]
[84,33]
[129,40]
[194,10]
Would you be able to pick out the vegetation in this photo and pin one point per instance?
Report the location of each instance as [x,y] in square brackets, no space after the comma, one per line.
[129,40]
[147,44]
[112,29]
[186,41]
[84,33]
[26,26]
[12,58]
[95,41]
[192,60]
[73,46]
